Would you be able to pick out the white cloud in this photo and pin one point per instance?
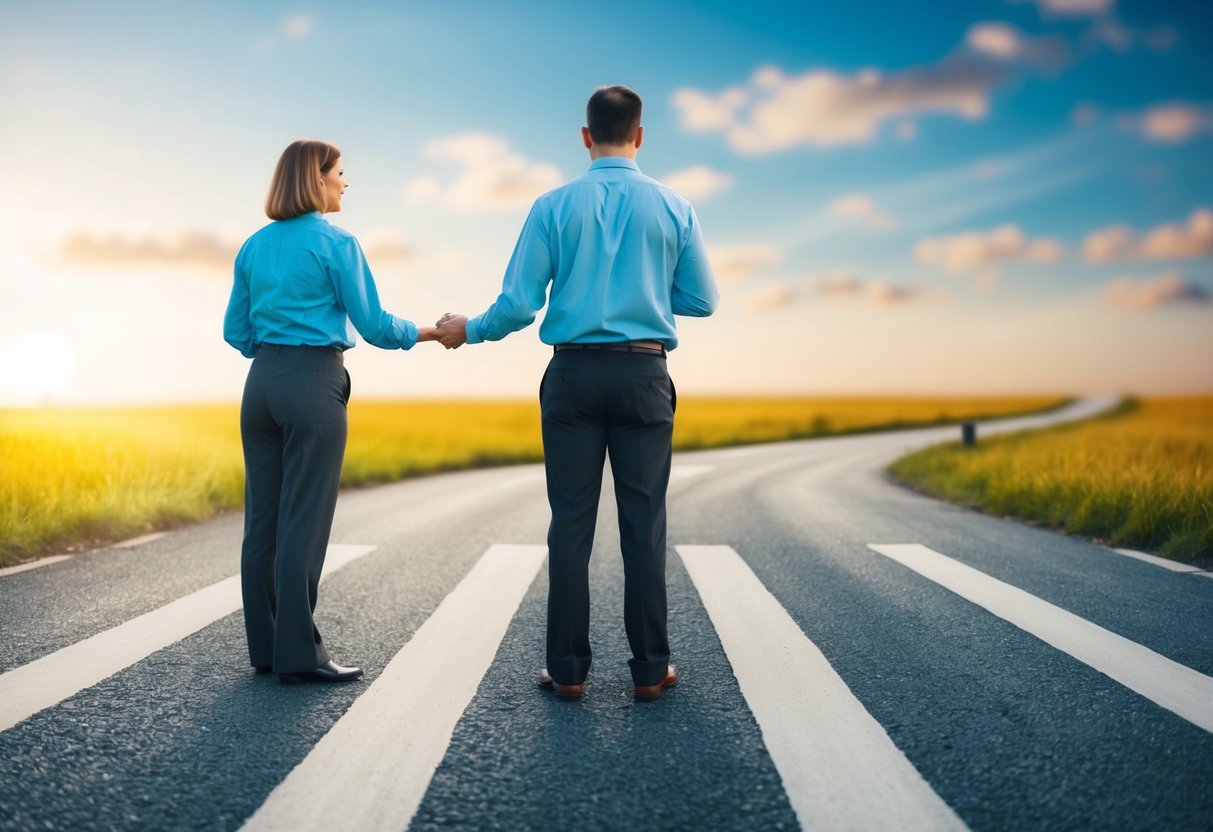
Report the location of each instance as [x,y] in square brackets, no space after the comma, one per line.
[1170,241]
[862,209]
[1144,294]
[770,298]
[298,25]
[703,113]
[386,246]
[824,108]
[699,182]
[738,262]
[494,177]
[1072,8]
[845,285]
[191,247]
[1007,43]
[978,250]
[1174,123]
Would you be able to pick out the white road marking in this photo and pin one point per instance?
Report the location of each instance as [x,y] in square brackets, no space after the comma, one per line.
[1174,566]
[371,770]
[683,472]
[26,690]
[839,768]
[1166,682]
[34,564]
[138,541]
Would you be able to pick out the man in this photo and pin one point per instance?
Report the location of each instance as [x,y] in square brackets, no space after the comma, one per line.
[623,255]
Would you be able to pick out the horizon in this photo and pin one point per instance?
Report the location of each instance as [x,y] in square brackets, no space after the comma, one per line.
[1010,197]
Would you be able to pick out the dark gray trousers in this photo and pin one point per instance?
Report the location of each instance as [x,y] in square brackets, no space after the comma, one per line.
[597,403]
[293,428]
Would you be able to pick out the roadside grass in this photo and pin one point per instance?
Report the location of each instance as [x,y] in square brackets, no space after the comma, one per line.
[1139,477]
[78,478]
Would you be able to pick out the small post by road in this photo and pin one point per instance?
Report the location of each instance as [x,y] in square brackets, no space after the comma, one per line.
[968,433]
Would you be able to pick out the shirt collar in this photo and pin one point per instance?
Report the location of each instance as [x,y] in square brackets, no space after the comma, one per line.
[614,162]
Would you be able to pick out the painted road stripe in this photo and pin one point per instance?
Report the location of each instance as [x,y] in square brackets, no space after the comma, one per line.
[26,690]
[1174,566]
[1166,682]
[34,564]
[371,770]
[139,541]
[685,472]
[839,768]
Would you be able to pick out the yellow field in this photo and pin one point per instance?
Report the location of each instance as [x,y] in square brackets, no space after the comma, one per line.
[1139,478]
[76,478]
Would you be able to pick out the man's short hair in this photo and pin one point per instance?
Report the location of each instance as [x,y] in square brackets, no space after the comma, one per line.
[613,115]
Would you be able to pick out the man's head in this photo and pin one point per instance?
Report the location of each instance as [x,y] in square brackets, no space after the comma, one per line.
[612,118]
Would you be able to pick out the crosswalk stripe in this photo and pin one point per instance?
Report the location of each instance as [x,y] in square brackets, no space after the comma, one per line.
[1164,681]
[839,768]
[371,770]
[26,690]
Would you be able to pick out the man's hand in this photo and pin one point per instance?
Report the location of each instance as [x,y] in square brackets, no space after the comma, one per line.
[452,330]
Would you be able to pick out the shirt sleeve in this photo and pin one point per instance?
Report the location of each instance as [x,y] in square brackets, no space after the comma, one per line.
[237,322]
[355,287]
[694,293]
[524,289]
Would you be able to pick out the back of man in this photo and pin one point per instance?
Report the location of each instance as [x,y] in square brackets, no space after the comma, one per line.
[622,255]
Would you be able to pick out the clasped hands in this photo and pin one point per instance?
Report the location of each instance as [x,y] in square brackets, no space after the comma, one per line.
[450,330]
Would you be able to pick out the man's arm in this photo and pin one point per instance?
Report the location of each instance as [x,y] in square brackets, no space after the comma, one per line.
[523,291]
[694,292]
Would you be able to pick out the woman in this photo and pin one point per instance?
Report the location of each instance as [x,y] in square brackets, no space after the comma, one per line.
[297,281]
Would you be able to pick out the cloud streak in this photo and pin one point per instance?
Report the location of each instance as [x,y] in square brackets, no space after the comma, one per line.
[699,182]
[1142,295]
[494,177]
[978,250]
[1170,241]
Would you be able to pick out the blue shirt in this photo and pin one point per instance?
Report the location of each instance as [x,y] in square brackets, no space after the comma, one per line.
[623,254]
[301,282]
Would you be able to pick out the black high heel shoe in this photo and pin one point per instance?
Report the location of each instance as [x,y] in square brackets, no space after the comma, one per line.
[327,672]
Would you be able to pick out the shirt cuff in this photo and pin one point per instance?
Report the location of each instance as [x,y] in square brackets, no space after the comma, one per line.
[473,331]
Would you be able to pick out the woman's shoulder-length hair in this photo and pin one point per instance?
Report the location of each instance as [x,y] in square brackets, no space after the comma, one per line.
[296,188]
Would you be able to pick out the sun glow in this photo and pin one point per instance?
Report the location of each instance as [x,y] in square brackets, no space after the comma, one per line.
[38,367]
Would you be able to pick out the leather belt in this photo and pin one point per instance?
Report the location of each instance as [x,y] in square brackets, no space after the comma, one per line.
[646,347]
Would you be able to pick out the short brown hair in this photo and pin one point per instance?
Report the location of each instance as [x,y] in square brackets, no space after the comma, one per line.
[613,114]
[295,189]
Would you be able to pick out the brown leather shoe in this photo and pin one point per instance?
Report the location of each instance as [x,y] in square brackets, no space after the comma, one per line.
[647,693]
[562,691]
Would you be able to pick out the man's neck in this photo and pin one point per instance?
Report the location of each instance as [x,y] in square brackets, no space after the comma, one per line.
[598,151]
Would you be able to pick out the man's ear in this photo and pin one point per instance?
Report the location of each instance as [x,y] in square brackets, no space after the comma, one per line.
[639,136]
[585,138]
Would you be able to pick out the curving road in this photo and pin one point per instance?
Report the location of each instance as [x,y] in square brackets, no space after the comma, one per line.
[852,656]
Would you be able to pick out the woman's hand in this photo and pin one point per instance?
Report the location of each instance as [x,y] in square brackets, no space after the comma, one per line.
[427,333]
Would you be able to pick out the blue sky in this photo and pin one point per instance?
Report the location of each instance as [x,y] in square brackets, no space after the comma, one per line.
[955,197]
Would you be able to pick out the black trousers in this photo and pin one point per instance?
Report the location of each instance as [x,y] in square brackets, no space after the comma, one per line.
[595,403]
[293,428]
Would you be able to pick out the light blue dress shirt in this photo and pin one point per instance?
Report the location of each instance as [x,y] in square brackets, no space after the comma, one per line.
[301,282]
[623,254]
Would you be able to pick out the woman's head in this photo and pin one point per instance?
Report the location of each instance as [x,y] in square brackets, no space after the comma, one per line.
[308,178]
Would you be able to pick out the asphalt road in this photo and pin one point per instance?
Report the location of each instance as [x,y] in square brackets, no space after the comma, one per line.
[938,702]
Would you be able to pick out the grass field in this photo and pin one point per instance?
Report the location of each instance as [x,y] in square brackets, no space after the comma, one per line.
[1141,477]
[78,478]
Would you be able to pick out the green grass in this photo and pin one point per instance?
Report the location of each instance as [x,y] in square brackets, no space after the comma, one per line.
[1141,477]
[78,478]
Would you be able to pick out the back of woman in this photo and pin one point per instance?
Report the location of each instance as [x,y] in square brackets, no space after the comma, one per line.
[299,283]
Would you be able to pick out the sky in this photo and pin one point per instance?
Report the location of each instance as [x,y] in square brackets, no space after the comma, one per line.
[995,197]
